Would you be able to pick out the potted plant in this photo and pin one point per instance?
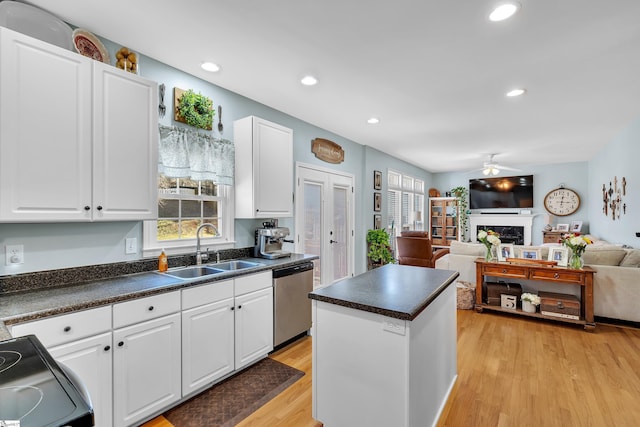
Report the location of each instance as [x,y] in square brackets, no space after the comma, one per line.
[529,302]
[461,196]
[379,248]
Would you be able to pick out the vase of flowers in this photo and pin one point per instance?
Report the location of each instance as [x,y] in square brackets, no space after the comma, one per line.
[577,245]
[530,302]
[490,239]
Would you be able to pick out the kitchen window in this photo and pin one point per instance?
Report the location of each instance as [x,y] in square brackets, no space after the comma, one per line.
[184,204]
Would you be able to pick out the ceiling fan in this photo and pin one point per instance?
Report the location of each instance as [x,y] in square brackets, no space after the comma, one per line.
[490,167]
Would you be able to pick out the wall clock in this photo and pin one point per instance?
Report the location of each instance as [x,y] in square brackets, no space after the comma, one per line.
[561,201]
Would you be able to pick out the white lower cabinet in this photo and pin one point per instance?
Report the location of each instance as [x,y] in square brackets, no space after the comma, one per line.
[146,358]
[139,357]
[225,326]
[207,334]
[254,326]
[90,359]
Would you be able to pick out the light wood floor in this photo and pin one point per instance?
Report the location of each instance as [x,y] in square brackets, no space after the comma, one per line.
[511,372]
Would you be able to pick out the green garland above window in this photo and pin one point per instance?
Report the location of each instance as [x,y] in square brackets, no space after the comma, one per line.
[194,109]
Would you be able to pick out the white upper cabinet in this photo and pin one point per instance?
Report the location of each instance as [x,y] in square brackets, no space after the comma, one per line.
[125,141]
[78,138]
[263,169]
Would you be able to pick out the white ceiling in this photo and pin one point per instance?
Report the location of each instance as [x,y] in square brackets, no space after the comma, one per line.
[434,71]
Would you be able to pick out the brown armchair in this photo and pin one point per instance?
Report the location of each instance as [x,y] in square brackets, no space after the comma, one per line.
[414,248]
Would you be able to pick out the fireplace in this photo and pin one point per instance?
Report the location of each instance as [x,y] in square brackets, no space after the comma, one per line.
[508,234]
[513,228]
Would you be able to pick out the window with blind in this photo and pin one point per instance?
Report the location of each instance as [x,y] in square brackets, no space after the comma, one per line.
[405,202]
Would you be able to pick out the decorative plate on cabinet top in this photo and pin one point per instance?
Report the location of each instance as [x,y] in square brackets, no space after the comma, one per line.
[35,22]
[88,45]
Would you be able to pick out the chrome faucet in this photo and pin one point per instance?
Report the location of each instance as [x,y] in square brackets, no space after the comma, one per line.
[200,256]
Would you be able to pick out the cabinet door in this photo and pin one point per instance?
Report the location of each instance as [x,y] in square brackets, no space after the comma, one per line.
[90,359]
[146,368]
[207,344]
[263,168]
[254,326]
[273,177]
[125,137]
[45,131]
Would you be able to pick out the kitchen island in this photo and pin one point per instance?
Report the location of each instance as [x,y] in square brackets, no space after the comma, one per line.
[384,347]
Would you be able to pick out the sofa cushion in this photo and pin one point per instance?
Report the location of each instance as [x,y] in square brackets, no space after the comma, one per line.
[631,259]
[464,248]
[603,255]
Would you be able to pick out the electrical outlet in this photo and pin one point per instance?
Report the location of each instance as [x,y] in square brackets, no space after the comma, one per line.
[131,245]
[395,326]
[14,254]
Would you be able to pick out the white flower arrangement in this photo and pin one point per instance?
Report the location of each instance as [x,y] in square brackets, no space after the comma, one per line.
[532,298]
[489,238]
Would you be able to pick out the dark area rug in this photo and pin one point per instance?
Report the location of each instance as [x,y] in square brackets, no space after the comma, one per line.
[231,401]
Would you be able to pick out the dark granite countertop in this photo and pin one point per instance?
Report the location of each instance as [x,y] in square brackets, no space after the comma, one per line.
[398,291]
[30,305]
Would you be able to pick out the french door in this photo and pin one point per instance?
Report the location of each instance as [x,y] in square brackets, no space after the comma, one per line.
[324,221]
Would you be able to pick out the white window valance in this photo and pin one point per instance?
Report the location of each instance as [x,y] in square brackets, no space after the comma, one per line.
[186,153]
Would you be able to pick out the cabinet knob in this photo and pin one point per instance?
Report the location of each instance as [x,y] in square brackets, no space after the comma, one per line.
[67,328]
[121,343]
[504,270]
[107,348]
[556,275]
[233,308]
[150,308]
[99,208]
[86,208]
[239,307]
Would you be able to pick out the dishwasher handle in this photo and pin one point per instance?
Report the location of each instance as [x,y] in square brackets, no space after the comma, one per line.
[294,269]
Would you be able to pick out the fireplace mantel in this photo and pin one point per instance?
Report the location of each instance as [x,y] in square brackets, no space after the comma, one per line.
[521,220]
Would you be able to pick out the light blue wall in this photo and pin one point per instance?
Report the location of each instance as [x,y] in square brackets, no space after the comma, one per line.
[618,159]
[52,246]
[545,178]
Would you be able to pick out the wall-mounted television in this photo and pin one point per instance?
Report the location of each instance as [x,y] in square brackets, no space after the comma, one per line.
[503,192]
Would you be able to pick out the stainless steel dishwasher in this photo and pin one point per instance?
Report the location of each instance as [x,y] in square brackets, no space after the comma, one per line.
[291,303]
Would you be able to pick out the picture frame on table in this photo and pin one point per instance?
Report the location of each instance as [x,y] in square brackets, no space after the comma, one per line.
[505,250]
[528,253]
[562,227]
[377,202]
[377,222]
[559,255]
[377,180]
[576,226]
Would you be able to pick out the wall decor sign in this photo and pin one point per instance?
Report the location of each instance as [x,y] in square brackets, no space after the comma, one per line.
[327,151]
[377,180]
[613,198]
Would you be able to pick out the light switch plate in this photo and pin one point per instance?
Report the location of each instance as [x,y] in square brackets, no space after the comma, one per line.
[131,245]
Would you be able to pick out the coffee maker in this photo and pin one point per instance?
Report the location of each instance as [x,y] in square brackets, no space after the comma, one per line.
[269,240]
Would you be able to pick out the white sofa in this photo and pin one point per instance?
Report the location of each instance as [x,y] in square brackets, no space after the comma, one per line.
[616,281]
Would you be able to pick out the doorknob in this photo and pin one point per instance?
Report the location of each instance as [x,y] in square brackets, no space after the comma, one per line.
[333,241]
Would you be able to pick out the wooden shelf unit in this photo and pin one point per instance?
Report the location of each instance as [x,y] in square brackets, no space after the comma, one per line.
[582,278]
[444,222]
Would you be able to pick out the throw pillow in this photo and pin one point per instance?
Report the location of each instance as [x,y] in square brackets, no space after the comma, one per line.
[464,248]
[603,255]
[631,259]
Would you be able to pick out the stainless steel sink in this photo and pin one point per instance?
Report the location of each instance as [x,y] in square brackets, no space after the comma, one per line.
[194,272]
[236,265]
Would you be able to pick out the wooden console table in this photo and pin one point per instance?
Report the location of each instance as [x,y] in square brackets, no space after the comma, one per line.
[582,278]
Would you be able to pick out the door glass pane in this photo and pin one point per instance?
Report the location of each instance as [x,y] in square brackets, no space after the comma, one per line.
[313,226]
[340,234]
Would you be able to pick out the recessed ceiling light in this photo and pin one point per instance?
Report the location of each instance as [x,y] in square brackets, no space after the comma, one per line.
[516,92]
[309,81]
[373,120]
[210,66]
[504,11]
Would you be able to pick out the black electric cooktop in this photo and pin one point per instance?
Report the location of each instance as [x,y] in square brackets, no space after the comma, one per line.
[35,391]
